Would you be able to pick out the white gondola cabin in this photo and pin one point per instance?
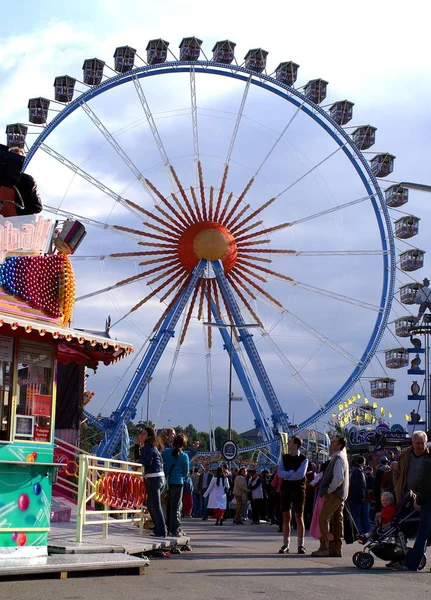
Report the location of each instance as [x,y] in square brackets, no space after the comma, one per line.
[408,293]
[397,358]
[38,110]
[315,90]
[124,59]
[403,325]
[287,73]
[364,137]
[383,387]
[412,260]
[342,112]
[382,164]
[16,134]
[93,71]
[224,52]
[407,227]
[190,48]
[157,51]
[255,60]
[64,87]
[396,195]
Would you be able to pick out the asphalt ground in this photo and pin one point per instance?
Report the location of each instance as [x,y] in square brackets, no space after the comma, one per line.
[235,562]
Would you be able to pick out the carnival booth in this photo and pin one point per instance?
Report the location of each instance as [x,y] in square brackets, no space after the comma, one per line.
[37,291]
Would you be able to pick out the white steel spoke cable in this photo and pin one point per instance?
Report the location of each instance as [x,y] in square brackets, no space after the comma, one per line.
[172,369]
[154,130]
[319,164]
[335,296]
[278,139]
[118,149]
[103,258]
[342,253]
[209,390]
[312,331]
[238,121]
[195,130]
[68,215]
[331,210]
[108,289]
[75,169]
[294,372]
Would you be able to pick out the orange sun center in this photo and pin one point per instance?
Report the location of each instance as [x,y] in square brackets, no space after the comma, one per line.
[209,240]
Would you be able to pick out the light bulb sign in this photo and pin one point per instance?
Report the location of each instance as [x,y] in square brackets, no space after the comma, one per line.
[229,450]
[27,234]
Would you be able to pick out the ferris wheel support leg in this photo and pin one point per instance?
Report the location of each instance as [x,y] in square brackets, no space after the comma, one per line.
[260,420]
[279,418]
[127,408]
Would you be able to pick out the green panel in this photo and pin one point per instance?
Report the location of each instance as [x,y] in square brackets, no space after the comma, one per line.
[25,494]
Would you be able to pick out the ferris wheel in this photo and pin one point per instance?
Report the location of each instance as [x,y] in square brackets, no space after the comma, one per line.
[217,192]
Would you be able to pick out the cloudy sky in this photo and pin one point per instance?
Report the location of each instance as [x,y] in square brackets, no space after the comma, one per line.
[374,56]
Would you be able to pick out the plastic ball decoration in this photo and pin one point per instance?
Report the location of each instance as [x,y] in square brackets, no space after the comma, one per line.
[46,282]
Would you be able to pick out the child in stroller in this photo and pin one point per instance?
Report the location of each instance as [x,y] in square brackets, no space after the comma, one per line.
[389,541]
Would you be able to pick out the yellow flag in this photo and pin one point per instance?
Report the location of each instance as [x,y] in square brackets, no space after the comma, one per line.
[407,417]
[358,396]
[346,405]
[390,415]
[382,411]
[375,405]
[366,400]
[340,406]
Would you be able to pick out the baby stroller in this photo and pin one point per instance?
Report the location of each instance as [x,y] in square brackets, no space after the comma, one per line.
[390,543]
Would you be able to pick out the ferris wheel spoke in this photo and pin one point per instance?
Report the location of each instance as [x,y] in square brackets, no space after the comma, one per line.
[111,287]
[330,210]
[280,137]
[238,121]
[338,297]
[73,216]
[319,164]
[153,128]
[342,253]
[208,361]
[194,111]
[294,372]
[116,146]
[75,169]
[171,371]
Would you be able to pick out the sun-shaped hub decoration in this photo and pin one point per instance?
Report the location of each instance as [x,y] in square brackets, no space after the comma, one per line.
[217,228]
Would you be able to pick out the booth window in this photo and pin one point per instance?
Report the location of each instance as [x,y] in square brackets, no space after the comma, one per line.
[34,392]
[6,358]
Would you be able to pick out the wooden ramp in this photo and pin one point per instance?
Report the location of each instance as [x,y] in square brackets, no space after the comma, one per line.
[62,565]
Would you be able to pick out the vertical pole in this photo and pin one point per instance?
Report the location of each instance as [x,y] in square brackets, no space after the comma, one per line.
[427,382]
[229,425]
[82,485]
[148,402]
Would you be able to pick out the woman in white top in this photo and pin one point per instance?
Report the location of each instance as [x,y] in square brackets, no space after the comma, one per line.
[217,497]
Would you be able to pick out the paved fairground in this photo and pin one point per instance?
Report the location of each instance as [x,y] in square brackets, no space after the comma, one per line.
[236,563]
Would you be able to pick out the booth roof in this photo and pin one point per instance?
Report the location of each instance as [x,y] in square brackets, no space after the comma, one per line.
[98,345]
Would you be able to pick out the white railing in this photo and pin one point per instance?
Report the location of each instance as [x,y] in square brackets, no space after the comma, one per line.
[116,485]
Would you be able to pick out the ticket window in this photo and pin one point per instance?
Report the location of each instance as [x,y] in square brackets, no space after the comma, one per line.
[34,404]
[6,361]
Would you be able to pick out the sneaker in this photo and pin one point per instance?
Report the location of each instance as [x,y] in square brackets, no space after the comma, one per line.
[335,553]
[302,550]
[284,550]
[398,566]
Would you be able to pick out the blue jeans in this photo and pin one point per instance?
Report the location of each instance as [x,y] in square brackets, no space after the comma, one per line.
[197,504]
[154,505]
[173,508]
[415,555]
[360,512]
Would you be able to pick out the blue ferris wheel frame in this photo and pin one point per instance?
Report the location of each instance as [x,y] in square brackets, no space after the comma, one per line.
[337,133]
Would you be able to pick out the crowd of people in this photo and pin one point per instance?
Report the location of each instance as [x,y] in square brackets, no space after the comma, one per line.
[335,501]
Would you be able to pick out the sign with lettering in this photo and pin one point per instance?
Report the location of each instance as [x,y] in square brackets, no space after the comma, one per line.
[28,234]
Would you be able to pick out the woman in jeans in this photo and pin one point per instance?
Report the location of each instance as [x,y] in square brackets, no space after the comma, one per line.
[151,459]
[176,465]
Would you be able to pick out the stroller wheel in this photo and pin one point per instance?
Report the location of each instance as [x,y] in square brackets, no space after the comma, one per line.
[355,557]
[364,560]
[422,563]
